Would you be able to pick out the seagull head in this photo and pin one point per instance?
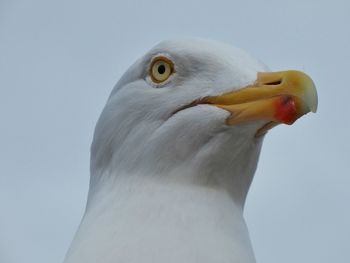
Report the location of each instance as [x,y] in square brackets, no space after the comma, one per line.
[195,110]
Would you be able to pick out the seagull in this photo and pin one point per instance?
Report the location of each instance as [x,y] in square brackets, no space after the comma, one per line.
[174,153]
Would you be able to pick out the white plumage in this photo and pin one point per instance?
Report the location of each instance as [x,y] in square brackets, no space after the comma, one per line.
[167,185]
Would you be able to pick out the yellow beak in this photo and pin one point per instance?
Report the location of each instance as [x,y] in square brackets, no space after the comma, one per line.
[276,97]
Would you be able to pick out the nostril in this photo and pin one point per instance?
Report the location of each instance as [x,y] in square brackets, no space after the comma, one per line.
[276,82]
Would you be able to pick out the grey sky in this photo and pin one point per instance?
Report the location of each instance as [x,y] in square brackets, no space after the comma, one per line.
[60,59]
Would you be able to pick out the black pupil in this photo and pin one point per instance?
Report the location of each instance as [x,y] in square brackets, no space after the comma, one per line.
[161,69]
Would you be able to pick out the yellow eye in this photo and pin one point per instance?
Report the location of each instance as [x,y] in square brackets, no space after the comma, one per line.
[161,69]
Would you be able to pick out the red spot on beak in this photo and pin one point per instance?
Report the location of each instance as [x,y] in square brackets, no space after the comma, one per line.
[286,110]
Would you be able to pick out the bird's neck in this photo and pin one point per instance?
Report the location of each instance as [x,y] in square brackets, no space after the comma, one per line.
[191,212]
[144,219]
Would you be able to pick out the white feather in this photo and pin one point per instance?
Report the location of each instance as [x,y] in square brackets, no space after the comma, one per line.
[171,188]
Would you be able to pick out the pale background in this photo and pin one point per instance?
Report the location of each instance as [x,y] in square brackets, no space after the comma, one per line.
[60,59]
